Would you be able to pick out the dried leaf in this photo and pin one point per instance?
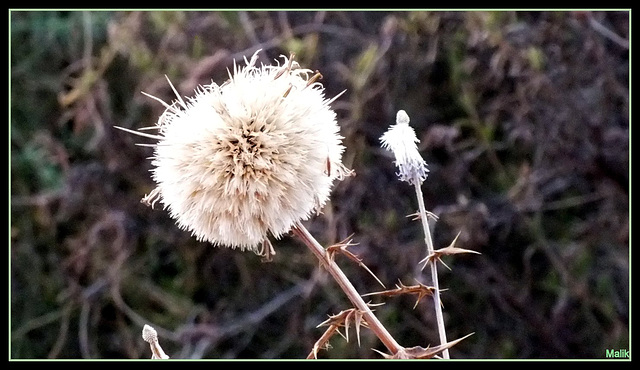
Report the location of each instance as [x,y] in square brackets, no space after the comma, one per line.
[341,319]
[447,251]
[418,352]
[323,342]
[420,289]
[341,247]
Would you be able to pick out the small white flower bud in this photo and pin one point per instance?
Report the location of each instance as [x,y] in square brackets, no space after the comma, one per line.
[402,117]
[401,140]
[149,334]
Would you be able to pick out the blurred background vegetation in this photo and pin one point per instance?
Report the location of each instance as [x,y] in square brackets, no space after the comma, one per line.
[523,118]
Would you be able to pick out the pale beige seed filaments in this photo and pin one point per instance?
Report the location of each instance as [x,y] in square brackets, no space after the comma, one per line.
[249,158]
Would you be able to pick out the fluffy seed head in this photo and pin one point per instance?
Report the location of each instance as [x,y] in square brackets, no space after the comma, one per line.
[401,140]
[252,156]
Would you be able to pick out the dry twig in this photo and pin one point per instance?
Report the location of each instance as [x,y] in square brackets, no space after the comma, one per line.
[420,289]
[341,247]
[372,321]
[342,319]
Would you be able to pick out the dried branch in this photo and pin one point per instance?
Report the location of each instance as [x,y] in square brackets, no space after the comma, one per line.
[342,319]
[341,247]
[323,342]
[420,289]
[372,321]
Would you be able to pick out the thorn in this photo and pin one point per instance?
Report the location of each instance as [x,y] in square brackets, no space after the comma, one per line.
[420,289]
[418,352]
[386,356]
[342,319]
[342,248]
[447,251]
[416,216]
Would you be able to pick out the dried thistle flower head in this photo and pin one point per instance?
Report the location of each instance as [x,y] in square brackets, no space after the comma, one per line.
[252,156]
[401,140]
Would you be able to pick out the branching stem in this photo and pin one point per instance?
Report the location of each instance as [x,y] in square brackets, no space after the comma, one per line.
[372,321]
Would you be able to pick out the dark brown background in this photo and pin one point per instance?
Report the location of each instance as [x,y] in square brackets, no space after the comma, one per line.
[523,119]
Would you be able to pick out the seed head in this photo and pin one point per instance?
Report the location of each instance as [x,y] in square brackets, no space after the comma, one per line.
[252,156]
[401,140]
[149,334]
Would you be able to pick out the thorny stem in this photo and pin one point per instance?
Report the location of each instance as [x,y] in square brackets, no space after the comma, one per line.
[372,321]
[433,267]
